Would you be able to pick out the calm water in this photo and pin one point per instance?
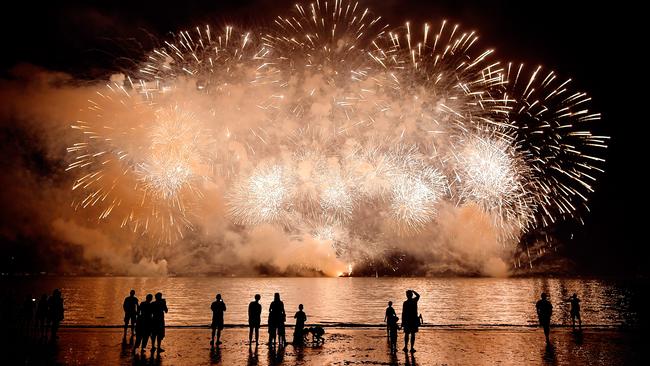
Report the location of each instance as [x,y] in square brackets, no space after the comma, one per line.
[445,301]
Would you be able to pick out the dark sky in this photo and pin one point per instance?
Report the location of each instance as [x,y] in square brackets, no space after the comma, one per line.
[595,43]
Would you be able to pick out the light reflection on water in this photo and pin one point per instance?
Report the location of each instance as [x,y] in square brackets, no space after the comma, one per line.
[445,301]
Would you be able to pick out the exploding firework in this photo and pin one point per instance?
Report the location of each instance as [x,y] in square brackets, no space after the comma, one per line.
[553,135]
[329,125]
[141,161]
[263,197]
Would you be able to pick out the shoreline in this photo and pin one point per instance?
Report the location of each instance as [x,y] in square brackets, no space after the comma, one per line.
[472,327]
[343,346]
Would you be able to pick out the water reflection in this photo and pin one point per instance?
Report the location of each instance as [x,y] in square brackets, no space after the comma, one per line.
[445,301]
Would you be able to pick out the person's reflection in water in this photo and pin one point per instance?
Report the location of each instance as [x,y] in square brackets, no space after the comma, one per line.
[549,357]
[578,337]
[253,358]
[276,355]
[215,354]
[409,361]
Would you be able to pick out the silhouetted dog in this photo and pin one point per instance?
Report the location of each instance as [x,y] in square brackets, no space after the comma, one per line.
[317,333]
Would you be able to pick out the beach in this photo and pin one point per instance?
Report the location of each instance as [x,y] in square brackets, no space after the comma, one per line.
[349,346]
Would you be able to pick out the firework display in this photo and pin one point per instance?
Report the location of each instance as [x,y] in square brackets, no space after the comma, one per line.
[330,123]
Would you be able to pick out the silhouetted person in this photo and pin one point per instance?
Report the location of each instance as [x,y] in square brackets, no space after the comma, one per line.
[143,324]
[544,312]
[276,318]
[299,330]
[27,314]
[218,308]
[254,319]
[41,316]
[410,320]
[390,311]
[55,312]
[159,308]
[130,307]
[392,330]
[575,311]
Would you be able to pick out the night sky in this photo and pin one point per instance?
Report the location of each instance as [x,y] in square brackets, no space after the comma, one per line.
[593,43]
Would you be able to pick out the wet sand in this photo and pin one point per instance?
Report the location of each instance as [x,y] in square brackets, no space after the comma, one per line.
[350,346]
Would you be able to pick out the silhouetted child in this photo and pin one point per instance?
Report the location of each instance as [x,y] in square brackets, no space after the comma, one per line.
[254,319]
[159,308]
[130,307]
[544,312]
[575,311]
[390,312]
[143,324]
[218,308]
[392,331]
[299,330]
[282,335]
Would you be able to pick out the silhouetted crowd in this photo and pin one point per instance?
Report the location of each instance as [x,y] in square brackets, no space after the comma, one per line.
[40,319]
[34,318]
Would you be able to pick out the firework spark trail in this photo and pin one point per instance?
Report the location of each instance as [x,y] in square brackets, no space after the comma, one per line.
[330,124]
[552,133]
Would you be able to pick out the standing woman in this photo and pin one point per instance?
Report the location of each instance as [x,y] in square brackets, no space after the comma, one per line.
[276,317]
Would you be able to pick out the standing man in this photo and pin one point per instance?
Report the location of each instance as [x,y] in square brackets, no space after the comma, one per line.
[410,319]
[544,312]
[55,312]
[130,307]
[143,325]
[575,311]
[254,320]
[218,308]
[159,308]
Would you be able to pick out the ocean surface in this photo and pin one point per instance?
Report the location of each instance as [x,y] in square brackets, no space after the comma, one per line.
[462,302]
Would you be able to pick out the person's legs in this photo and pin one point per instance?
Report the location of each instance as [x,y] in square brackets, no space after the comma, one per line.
[219,335]
[257,335]
[547,331]
[406,341]
[579,321]
[153,339]
[160,337]
[250,334]
[133,320]
[214,330]
[145,339]
[413,342]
